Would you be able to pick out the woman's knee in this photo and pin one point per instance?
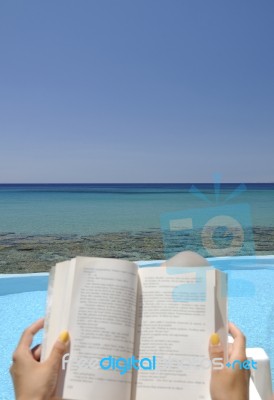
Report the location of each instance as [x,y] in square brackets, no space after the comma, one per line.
[187,259]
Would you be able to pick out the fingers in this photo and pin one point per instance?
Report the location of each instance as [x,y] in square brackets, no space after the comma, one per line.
[229,349]
[236,333]
[36,352]
[26,340]
[215,348]
[239,344]
[28,334]
[236,351]
[58,351]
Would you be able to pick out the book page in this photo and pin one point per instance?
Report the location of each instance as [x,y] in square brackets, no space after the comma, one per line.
[176,314]
[58,304]
[101,325]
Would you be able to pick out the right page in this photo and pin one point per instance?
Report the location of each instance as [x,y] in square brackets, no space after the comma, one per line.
[178,309]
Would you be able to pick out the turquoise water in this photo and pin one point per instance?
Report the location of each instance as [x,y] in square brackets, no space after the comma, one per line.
[253,312]
[90,209]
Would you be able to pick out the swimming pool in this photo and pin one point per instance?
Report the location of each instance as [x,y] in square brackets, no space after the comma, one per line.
[251,306]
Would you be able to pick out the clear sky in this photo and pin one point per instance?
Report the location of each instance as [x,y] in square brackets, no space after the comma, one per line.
[136,90]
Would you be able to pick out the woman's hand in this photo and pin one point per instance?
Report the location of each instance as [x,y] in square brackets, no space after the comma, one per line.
[228,383]
[33,380]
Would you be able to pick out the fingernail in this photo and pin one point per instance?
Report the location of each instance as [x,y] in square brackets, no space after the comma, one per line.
[64,337]
[214,339]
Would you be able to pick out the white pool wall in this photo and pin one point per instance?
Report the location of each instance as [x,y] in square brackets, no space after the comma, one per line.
[19,283]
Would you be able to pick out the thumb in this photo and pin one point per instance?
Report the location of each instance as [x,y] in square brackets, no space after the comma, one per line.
[58,351]
[215,348]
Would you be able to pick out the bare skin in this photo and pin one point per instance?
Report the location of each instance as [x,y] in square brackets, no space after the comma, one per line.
[186,259]
[34,380]
[228,383]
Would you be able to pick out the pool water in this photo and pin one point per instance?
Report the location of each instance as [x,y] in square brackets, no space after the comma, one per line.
[250,301]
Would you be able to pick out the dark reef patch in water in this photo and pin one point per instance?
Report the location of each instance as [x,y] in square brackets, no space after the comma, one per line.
[25,253]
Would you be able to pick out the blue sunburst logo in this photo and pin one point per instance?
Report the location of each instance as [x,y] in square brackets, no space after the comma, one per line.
[216,229]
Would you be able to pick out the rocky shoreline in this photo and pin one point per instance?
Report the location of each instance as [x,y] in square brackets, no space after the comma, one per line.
[26,253]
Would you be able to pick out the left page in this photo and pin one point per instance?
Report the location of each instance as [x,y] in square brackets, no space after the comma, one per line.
[99,311]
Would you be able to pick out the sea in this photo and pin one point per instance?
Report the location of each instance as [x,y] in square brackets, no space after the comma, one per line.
[41,224]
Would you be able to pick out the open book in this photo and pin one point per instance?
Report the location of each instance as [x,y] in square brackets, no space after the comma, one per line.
[136,333]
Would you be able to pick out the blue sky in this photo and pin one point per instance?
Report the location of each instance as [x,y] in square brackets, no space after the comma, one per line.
[136,91]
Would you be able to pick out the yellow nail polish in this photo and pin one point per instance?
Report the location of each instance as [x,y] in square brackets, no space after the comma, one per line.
[214,339]
[64,337]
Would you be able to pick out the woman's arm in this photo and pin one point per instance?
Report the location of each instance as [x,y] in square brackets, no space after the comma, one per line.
[32,379]
[228,383]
